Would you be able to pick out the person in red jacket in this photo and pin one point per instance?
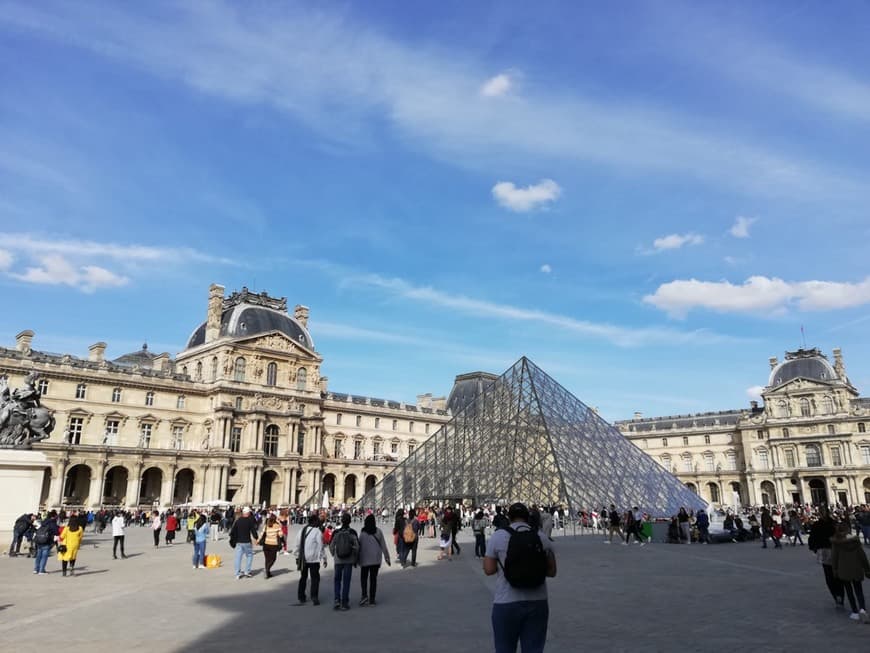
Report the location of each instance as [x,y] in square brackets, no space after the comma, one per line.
[171,527]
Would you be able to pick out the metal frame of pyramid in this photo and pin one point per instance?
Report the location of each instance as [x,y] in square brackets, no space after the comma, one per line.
[526,438]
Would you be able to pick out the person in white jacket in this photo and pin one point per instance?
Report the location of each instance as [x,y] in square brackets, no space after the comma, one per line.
[118,534]
[310,554]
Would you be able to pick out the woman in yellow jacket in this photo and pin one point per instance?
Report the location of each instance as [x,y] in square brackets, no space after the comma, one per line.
[68,545]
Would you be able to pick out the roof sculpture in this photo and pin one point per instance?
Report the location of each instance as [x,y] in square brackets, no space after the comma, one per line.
[526,438]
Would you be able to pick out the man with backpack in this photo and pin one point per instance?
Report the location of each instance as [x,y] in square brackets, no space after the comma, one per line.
[344,547]
[44,539]
[523,559]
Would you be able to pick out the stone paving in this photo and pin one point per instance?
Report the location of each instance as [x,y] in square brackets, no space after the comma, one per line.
[605,598]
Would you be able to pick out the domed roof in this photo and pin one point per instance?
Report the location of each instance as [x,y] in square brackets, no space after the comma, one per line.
[244,320]
[804,364]
[466,387]
[143,358]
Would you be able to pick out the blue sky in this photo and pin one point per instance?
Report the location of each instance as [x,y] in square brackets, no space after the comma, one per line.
[648,200]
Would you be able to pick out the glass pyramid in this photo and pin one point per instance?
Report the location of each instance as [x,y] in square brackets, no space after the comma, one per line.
[526,438]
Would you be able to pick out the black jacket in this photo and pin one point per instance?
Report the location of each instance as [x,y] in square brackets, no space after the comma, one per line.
[244,530]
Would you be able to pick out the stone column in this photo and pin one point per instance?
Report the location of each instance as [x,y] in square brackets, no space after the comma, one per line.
[199,483]
[95,494]
[293,479]
[134,484]
[167,487]
[58,480]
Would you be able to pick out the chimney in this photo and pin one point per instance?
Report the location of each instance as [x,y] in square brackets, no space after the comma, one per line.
[215,309]
[638,415]
[773,362]
[23,341]
[754,405]
[301,315]
[324,384]
[97,352]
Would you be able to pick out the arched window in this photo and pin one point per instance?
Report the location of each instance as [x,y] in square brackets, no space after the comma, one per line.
[184,370]
[179,402]
[238,403]
[814,456]
[198,373]
[272,374]
[827,405]
[782,408]
[214,368]
[861,427]
[81,391]
[301,378]
[239,369]
[806,410]
[149,398]
[116,395]
[338,419]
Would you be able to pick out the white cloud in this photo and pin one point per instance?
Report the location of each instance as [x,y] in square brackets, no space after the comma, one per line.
[740,229]
[336,77]
[618,335]
[546,268]
[6,259]
[758,294]
[676,241]
[755,392]
[497,86]
[56,270]
[526,199]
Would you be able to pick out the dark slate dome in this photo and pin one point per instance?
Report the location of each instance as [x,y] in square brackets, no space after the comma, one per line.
[143,358]
[803,364]
[243,320]
[466,387]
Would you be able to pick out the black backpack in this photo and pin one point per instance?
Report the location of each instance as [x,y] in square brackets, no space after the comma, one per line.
[343,543]
[525,563]
[43,535]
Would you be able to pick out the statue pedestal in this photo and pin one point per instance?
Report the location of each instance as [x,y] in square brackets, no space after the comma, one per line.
[21,476]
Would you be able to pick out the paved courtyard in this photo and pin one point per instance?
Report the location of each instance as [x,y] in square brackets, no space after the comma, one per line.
[605,598]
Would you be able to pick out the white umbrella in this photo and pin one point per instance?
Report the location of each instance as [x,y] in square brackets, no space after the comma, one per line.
[217,503]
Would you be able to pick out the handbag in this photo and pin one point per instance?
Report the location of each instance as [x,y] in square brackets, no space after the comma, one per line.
[61,548]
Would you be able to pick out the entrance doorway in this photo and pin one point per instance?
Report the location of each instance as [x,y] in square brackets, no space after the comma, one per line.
[842,498]
[818,493]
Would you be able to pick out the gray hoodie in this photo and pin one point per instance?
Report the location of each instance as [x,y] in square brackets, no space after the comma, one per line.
[372,548]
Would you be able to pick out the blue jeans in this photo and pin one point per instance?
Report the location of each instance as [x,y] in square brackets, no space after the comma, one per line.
[524,622]
[42,552]
[199,554]
[244,549]
[866,532]
[341,584]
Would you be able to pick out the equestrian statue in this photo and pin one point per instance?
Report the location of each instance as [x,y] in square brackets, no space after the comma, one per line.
[23,420]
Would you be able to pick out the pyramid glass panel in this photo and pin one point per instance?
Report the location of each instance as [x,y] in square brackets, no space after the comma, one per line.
[526,438]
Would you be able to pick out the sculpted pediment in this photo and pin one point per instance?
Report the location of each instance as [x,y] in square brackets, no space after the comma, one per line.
[277,342]
[799,385]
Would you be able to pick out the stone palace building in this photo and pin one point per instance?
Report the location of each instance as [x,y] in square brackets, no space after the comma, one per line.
[241,414]
[807,443]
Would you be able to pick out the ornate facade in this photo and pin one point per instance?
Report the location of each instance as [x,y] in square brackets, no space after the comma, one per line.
[241,414]
[807,443]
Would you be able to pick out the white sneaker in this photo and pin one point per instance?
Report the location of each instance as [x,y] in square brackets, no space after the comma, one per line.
[855,616]
[865,618]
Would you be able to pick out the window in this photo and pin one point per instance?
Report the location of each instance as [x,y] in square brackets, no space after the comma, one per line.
[411,447]
[236,439]
[238,403]
[300,441]
[301,378]
[377,422]
[214,368]
[394,447]
[865,455]
[272,374]
[836,460]
[81,391]
[359,420]
[198,374]
[184,371]
[706,439]
[731,461]
[111,436]
[270,441]
[338,419]
[410,427]
[664,442]
[814,456]
[145,435]
[687,463]
[395,425]
[709,463]
[149,398]
[116,395]
[806,411]
[831,429]
[759,435]
[666,462]
[763,459]
[714,492]
[827,405]
[861,427]
[179,402]
[785,433]
[338,449]
[357,449]
[426,429]
[76,425]
[377,448]
[178,437]
[685,440]
[789,458]
[239,369]
[42,387]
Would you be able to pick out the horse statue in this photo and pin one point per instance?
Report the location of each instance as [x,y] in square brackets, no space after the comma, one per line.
[23,420]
